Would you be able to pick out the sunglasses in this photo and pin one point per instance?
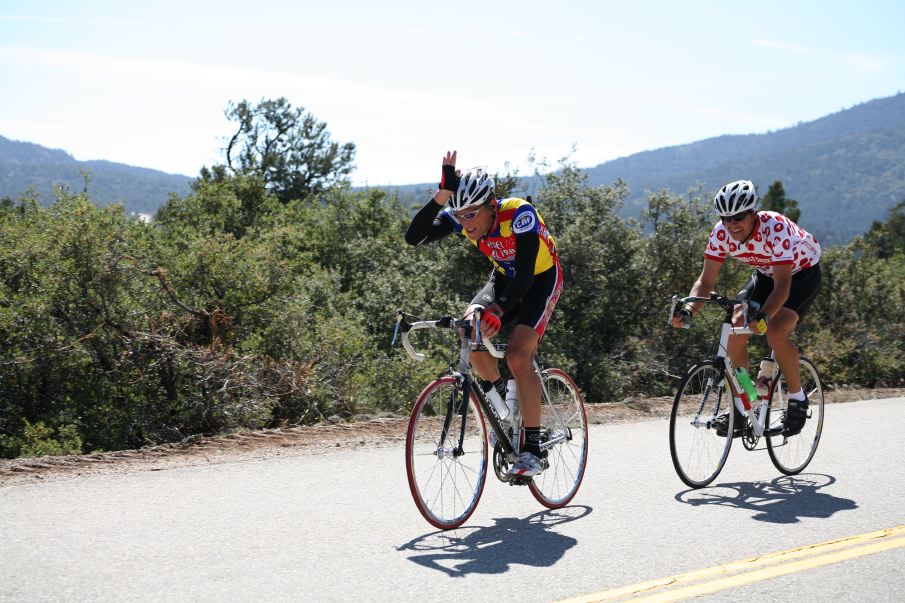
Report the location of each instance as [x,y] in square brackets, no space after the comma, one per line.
[468,216]
[736,217]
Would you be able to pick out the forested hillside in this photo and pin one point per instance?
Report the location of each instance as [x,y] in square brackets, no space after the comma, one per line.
[141,190]
[845,169]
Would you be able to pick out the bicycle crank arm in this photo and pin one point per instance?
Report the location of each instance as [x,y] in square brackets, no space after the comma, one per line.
[556,440]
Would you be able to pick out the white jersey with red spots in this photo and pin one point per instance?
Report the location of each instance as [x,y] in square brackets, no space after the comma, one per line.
[776,241]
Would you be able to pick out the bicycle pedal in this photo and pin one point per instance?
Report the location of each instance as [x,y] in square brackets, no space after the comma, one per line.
[516,480]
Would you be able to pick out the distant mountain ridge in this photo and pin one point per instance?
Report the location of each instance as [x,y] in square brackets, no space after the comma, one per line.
[845,169]
[141,190]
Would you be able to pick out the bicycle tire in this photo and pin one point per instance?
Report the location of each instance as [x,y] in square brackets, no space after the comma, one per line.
[445,484]
[698,453]
[563,418]
[791,454]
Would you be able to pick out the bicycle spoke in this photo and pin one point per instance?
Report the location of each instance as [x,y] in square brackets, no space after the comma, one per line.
[446,487]
[562,413]
[791,454]
[698,453]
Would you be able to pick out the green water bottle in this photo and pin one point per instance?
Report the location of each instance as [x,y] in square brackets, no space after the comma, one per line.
[746,382]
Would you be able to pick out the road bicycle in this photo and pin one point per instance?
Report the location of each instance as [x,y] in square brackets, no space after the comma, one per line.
[448,443]
[702,424]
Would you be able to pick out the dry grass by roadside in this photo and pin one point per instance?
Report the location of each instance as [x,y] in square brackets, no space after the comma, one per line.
[317,439]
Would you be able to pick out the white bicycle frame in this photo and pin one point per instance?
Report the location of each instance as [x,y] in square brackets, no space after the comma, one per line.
[757,416]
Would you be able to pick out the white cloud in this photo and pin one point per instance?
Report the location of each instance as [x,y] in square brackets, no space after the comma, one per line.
[776,45]
[859,63]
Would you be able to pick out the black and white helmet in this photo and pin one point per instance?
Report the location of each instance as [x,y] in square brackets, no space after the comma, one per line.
[475,187]
[735,198]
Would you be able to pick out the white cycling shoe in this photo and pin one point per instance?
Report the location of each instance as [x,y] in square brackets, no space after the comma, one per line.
[527,465]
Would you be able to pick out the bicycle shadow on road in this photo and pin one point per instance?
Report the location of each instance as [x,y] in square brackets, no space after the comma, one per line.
[493,549]
[786,499]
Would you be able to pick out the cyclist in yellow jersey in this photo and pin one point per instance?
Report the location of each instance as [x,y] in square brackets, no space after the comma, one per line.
[523,289]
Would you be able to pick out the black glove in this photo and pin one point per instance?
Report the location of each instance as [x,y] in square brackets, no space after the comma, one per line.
[449,181]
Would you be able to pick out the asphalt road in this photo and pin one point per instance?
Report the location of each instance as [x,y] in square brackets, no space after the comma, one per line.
[341,526]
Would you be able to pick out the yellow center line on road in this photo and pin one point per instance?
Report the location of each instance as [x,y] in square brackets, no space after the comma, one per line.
[746,571]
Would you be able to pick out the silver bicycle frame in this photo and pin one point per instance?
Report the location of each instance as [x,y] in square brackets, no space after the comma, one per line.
[465,363]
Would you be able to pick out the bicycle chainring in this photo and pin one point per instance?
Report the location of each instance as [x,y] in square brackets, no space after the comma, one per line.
[500,464]
[749,440]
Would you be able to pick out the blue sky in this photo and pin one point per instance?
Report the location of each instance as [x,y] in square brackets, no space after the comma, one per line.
[147,83]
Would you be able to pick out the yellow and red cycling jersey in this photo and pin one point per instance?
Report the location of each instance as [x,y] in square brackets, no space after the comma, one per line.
[514,216]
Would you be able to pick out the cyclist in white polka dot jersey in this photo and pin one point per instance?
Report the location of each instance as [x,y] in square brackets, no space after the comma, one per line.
[776,242]
[781,289]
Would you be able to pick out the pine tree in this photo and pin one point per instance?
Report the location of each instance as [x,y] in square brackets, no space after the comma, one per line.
[775,200]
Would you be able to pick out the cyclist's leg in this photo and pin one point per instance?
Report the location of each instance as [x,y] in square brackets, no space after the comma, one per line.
[755,291]
[805,285]
[781,327]
[535,309]
[738,344]
[534,313]
[485,366]
[520,359]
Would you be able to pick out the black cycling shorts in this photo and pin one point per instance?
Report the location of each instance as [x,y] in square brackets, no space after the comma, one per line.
[535,308]
[805,284]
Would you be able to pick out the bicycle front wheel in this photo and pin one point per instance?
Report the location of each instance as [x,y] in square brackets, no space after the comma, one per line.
[564,428]
[698,452]
[446,454]
[791,454]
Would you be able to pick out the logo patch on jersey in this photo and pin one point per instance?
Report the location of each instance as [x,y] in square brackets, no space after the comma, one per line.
[523,223]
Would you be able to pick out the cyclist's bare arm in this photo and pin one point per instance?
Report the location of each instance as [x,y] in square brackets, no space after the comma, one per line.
[701,288]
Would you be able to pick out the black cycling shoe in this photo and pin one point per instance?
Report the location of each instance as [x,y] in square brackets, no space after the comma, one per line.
[796,417]
[722,424]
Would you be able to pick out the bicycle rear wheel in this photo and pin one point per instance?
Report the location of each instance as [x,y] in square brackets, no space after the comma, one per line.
[698,453]
[791,454]
[446,479]
[563,422]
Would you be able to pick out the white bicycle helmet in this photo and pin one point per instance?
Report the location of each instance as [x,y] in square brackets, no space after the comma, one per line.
[475,187]
[735,198]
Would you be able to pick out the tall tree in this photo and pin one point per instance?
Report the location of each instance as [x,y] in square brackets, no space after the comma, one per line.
[775,200]
[289,148]
[888,238]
